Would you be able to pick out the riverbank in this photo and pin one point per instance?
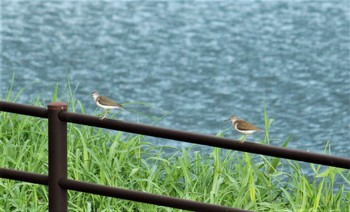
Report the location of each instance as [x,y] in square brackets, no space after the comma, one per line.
[124,160]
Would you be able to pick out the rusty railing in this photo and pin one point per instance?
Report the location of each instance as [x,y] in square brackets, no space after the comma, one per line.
[57,180]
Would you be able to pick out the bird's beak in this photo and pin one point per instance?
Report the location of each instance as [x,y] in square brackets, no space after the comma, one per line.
[227,120]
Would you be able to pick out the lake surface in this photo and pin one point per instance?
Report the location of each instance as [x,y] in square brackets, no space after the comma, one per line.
[197,62]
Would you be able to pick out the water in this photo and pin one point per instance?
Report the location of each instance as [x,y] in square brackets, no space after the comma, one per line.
[200,62]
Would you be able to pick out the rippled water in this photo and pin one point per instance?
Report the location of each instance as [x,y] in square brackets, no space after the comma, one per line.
[200,61]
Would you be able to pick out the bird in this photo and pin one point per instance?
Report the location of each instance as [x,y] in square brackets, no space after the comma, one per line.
[105,103]
[243,126]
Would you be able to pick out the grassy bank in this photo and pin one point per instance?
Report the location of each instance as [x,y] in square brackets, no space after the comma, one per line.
[222,177]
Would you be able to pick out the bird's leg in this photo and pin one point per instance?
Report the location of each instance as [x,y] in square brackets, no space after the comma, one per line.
[244,138]
[104,116]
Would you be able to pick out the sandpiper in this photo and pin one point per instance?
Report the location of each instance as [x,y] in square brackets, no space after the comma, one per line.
[243,126]
[105,103]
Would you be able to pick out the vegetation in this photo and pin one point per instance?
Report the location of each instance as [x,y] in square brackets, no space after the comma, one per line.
[223,177]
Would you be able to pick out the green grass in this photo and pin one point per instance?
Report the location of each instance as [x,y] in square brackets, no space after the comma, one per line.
[118,159]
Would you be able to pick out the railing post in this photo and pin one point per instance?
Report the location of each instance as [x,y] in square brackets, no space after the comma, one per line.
[57,157]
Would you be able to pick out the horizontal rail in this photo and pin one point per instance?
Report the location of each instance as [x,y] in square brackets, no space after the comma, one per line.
[24,109]
[114,192]
[208,140]
[190,137]
[141,196]
[24,176]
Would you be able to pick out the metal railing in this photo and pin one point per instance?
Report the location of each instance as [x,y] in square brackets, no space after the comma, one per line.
[57,180]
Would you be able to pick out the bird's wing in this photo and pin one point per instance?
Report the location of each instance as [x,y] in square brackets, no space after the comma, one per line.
[107,101]
[247,126]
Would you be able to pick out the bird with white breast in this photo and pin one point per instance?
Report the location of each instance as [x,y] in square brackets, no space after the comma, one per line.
[105,103]
[243,126]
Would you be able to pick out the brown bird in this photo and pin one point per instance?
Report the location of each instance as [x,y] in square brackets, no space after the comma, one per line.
[105,103]
[243,126]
